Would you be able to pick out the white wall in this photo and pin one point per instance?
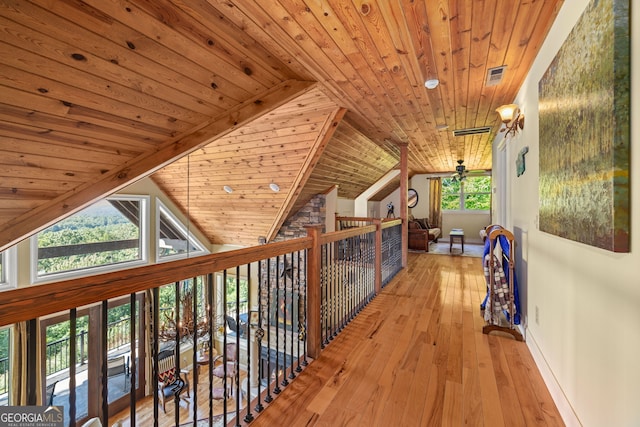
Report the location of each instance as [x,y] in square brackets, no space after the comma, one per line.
[331,208]
[470,222]
[587,339]
[420,183]
[345,207]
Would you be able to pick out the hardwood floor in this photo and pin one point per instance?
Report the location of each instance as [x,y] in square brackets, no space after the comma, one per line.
[415,356]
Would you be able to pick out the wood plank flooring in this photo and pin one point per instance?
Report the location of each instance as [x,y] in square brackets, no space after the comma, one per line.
[415,356]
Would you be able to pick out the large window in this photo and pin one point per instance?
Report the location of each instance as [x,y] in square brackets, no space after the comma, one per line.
[235,285]
[174,239]
[470,194]
[110,232]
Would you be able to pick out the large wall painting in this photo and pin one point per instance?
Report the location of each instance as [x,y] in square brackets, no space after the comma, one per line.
[584,131]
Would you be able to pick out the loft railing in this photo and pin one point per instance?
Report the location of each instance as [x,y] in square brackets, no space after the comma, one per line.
[303,292]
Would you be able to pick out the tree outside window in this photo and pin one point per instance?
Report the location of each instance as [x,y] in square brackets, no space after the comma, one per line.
[470,194]
[5,366]
[109,232]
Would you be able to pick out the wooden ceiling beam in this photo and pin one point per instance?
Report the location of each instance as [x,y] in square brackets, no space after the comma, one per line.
[307,168]
[37,219]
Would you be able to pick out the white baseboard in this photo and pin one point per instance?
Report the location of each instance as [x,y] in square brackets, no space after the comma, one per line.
[564,407]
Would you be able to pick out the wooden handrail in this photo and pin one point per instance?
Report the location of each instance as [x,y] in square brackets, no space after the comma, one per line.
[26,303]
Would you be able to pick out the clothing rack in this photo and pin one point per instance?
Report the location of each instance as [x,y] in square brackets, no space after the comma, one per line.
[496,281]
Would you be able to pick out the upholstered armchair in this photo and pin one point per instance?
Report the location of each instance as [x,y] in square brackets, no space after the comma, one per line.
[170,382]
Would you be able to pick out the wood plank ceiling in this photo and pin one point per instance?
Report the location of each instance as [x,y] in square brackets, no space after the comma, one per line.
[96,94]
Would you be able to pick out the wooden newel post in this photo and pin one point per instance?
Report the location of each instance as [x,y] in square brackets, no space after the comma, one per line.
[378,259]
[314,296]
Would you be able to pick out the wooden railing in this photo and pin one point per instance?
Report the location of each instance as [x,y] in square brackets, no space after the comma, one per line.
[307,290]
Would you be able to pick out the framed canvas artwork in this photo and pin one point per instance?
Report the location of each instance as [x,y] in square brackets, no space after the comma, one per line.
[584,101]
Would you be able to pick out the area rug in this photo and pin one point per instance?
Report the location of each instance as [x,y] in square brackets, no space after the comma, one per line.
[442,248]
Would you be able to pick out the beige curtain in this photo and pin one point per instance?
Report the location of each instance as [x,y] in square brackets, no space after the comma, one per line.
[19,364]
[148,325]
[435,202]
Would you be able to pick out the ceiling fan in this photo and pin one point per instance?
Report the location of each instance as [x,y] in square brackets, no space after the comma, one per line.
[462,172]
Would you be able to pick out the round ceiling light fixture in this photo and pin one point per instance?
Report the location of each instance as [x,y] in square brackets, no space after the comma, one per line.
[431,83]
[227,189]
[274,187]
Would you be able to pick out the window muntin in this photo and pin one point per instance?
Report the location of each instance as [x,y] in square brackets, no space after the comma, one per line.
[470,194]
[174,240]
[108,235]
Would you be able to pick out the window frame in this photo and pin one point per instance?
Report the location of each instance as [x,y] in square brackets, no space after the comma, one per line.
[463,193]
[9,278]
[220,310]
[162,209]
[90,271]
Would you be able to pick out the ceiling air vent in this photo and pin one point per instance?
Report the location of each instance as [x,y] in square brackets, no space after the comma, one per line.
[471,131]
[495,75]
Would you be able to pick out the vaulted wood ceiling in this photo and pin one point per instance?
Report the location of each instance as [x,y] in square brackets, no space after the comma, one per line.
[96,94]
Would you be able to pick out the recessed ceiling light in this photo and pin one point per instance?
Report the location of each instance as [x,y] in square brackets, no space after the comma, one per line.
[442,127]
[227,189]
[431,83]
[274,187]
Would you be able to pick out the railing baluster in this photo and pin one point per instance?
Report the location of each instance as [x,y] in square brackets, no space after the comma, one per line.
[224,347]
[248,417]
[210,342]
[177,353]
[293,311]
[72,368]
[268,398]
[301,308]
[259,335]
[276,389]
[236,373]
[103,360]
[283,275]
[194,358]
[155,304]
[133,371]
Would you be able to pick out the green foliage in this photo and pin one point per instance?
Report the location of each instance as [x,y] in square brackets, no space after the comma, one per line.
[475,193]
[93,225]
[4,343]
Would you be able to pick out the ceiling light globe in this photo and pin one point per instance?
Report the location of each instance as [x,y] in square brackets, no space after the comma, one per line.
[431,83]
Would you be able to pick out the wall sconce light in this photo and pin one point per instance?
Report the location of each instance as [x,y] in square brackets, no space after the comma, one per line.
[512,118]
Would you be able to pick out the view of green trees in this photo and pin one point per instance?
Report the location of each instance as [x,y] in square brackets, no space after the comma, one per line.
[473,193]
[98,223]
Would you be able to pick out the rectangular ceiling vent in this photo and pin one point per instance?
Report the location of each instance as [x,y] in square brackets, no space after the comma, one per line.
[471,131]
[495,75]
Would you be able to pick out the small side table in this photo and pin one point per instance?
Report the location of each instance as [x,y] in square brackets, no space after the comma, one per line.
[456,233]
